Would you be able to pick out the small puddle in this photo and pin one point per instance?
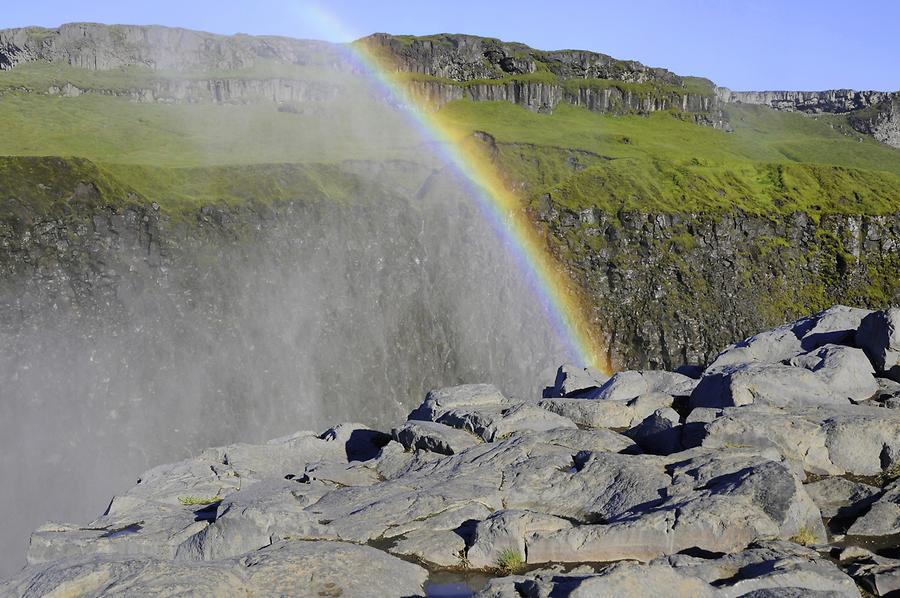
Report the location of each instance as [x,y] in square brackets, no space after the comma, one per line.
[455,584]
[123,531]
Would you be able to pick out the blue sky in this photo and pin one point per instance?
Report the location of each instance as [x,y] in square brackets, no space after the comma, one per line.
[742,44]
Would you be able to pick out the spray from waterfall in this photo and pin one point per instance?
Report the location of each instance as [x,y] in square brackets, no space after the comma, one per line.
[562,302]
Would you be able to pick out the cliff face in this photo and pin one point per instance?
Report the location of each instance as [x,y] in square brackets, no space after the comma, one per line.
[449,67]
[219,90]
[442,68]
[874,113]
[105,47]
[545,97]
[670,287]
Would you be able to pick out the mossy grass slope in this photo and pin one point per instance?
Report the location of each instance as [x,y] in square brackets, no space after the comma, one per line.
[187,154]
[772,163]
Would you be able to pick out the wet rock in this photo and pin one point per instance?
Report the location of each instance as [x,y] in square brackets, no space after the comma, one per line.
[434,437]
[608,413]
[879,336]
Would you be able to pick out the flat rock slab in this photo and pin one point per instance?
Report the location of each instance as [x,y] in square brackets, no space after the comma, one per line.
[883,518]
[492,423]
[763,383]
[574,381]
[634,383]
[283,569]
[840,497]
[617,504]
[434,437]
[769,569]
[718,502]
[595,413]
[829,440]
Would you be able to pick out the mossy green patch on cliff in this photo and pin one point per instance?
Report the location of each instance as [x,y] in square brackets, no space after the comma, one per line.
[115,130]
[37,185]
[32,186]
[774,163]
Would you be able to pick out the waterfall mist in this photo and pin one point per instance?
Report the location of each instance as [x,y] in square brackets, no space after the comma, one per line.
[273,320]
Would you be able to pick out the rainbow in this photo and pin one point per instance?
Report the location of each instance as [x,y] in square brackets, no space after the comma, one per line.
[559,297]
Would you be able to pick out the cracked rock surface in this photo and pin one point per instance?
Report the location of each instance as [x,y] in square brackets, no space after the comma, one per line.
[773,474]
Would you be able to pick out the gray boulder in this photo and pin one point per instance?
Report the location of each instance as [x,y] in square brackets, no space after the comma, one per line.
[846,370]
[631,384]
[441,400]
[772,569]
[754,383]
[769,569]
[888,393]
[608,413]
[840,497]
[659,433]
[505,531]
[574,382]
[883,518]
[494,422]
[835,325]
[878,575]
[441,548]
[826,439]
[434,437]
[718,501]
[879,336]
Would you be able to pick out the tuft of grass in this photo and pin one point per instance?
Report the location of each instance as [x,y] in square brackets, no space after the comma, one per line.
[191,501]
[804,537]
[890,474]
[510,561]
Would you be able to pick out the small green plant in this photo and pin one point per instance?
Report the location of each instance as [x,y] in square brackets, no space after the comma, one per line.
[804,536]
[890,474]
[191,501]
[510,561]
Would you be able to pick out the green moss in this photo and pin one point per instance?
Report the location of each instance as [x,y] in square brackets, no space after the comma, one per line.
[670,165]
[191,501]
